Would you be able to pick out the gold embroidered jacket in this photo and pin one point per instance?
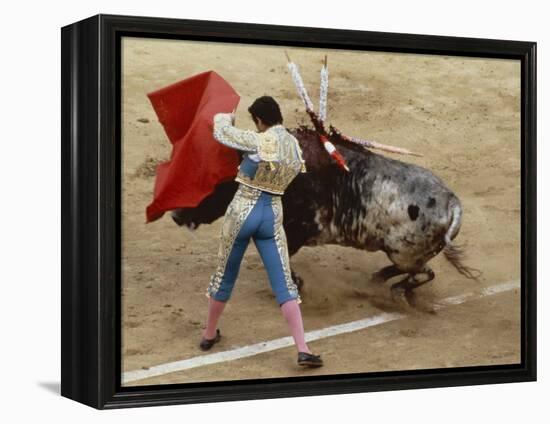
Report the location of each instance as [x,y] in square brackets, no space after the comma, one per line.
[276,152]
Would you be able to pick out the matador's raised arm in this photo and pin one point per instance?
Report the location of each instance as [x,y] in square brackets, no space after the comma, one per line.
[227,134]
[264,144]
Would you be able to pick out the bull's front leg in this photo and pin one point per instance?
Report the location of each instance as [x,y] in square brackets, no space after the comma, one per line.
[384,274]
[403,291]
[297,236]
[297,280]
[294,244]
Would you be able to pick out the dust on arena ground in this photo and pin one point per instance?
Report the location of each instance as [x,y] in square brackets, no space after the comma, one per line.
[461,113]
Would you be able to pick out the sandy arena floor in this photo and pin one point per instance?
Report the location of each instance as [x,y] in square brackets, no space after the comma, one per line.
[463,114]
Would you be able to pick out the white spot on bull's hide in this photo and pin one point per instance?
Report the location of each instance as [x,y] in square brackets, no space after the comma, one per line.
[354,225]
[332,228]
[317,220]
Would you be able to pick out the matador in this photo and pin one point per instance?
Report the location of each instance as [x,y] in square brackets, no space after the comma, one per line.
[272,159]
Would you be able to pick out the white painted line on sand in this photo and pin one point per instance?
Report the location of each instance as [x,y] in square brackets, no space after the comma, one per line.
[270,345]
[486,291]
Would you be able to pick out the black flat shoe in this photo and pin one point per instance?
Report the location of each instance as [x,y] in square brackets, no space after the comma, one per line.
[206,344]
[309,360]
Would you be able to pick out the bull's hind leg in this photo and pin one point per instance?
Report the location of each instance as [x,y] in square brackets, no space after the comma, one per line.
[384,274]
[403,290]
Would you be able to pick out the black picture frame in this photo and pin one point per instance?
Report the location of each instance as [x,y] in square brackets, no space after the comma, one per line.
[91,213]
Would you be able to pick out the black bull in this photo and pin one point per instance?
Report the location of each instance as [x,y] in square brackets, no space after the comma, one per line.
[381,204]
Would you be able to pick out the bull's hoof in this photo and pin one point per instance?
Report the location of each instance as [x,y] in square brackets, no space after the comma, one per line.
[410,297]
[405,298]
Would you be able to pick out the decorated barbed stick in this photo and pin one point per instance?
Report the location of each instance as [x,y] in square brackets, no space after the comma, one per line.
[324,138]
[299,83]
[319,120]
[369,144]
[320,128]
[323,93]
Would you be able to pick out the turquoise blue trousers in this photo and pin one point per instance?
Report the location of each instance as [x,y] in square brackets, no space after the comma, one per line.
[257,215]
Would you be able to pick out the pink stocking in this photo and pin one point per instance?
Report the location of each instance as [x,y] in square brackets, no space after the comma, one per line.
[293,316]
[215,309]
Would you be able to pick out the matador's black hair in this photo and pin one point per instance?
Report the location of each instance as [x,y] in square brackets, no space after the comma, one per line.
[267,109]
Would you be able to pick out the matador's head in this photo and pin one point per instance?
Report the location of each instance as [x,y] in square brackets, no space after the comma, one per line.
[265,112]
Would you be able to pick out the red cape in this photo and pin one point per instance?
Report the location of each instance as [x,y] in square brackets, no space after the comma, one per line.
[198,162]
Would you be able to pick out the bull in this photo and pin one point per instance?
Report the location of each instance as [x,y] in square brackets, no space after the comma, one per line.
[382,204]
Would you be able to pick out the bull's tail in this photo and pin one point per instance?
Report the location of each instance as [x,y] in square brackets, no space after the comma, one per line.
[456,220]
[454,253]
